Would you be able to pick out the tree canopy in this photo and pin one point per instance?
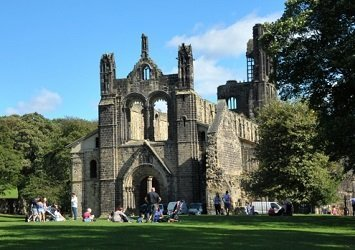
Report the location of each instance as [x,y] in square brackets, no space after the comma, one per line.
[34,157]
[313,45]
[291,163]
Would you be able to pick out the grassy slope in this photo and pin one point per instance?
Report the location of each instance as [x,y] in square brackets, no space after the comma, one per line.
[194,232]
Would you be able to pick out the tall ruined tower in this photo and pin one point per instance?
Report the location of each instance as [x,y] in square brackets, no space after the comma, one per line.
[186,69]
[186,126]
[248,97]
[107,131]
[263,89]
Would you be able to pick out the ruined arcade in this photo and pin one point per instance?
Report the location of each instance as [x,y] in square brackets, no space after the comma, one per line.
[189,151]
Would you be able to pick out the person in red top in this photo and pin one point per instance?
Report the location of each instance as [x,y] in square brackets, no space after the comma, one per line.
[87,216]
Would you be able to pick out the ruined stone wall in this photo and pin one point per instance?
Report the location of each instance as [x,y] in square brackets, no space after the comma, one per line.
[77,178]
[91,185]
[137,123]
[85,187]
[160,126]
[206,110]
[229,137]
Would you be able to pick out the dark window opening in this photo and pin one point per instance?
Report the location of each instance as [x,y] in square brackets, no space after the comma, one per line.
[93,169]
[184,120]
[202,136]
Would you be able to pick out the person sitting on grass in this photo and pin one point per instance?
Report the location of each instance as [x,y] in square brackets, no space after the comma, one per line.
[120,216]
[57,214]
[158,215]
[87,216]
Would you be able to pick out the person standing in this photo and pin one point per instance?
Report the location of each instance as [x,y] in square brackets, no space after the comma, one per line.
[40,207]
[217,204]
[74,205]
[152,200]
[353,205]
[227,202]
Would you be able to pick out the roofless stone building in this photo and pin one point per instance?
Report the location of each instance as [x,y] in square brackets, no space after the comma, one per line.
[190,151]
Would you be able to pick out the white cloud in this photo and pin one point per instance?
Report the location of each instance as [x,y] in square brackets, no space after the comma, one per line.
[219,42]
[45,101]
[208,76]
[214,45]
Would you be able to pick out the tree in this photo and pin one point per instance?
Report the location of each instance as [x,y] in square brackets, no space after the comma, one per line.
[34,156]
[313,45]
[10,159]
[291,165]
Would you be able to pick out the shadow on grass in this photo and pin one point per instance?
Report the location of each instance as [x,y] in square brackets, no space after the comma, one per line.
[204,232]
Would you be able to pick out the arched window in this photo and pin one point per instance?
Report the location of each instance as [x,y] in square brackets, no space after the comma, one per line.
[146,73]
[93,169]
[160,123]
[184,118]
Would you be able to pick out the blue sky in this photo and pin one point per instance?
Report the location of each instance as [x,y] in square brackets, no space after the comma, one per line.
[50,50]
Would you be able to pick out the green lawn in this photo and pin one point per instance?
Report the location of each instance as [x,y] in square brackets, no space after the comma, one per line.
[193,232]
[9,194]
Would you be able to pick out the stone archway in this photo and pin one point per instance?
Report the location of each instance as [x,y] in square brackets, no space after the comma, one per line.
[138,181]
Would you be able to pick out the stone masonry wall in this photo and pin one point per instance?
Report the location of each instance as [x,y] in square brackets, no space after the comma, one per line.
[226,139]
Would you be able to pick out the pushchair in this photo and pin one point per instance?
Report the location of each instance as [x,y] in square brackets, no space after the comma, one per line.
[50,214]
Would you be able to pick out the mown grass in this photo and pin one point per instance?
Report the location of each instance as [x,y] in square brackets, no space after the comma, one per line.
[193,232]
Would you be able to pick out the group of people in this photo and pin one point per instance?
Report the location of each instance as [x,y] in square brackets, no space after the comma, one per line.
[227,201]
[40,210]
[153,213]
[150,211]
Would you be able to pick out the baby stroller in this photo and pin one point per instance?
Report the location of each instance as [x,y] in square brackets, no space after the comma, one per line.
[174,214]
[50,214]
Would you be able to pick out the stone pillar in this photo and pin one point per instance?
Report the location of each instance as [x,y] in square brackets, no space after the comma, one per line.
[149,183]
[146,117]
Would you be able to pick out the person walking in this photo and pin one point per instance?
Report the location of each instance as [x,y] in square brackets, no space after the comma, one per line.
[152,199]
[74,205]
[217,204]
[227,202]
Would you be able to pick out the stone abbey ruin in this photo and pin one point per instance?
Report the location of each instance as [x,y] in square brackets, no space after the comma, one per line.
[191,151]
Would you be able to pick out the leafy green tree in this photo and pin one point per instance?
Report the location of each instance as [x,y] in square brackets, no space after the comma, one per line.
[10,159]
[34,156]
[58,160]
[313,44]
[291,165]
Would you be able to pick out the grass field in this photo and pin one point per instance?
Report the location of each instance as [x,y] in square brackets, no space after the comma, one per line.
[193,232]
